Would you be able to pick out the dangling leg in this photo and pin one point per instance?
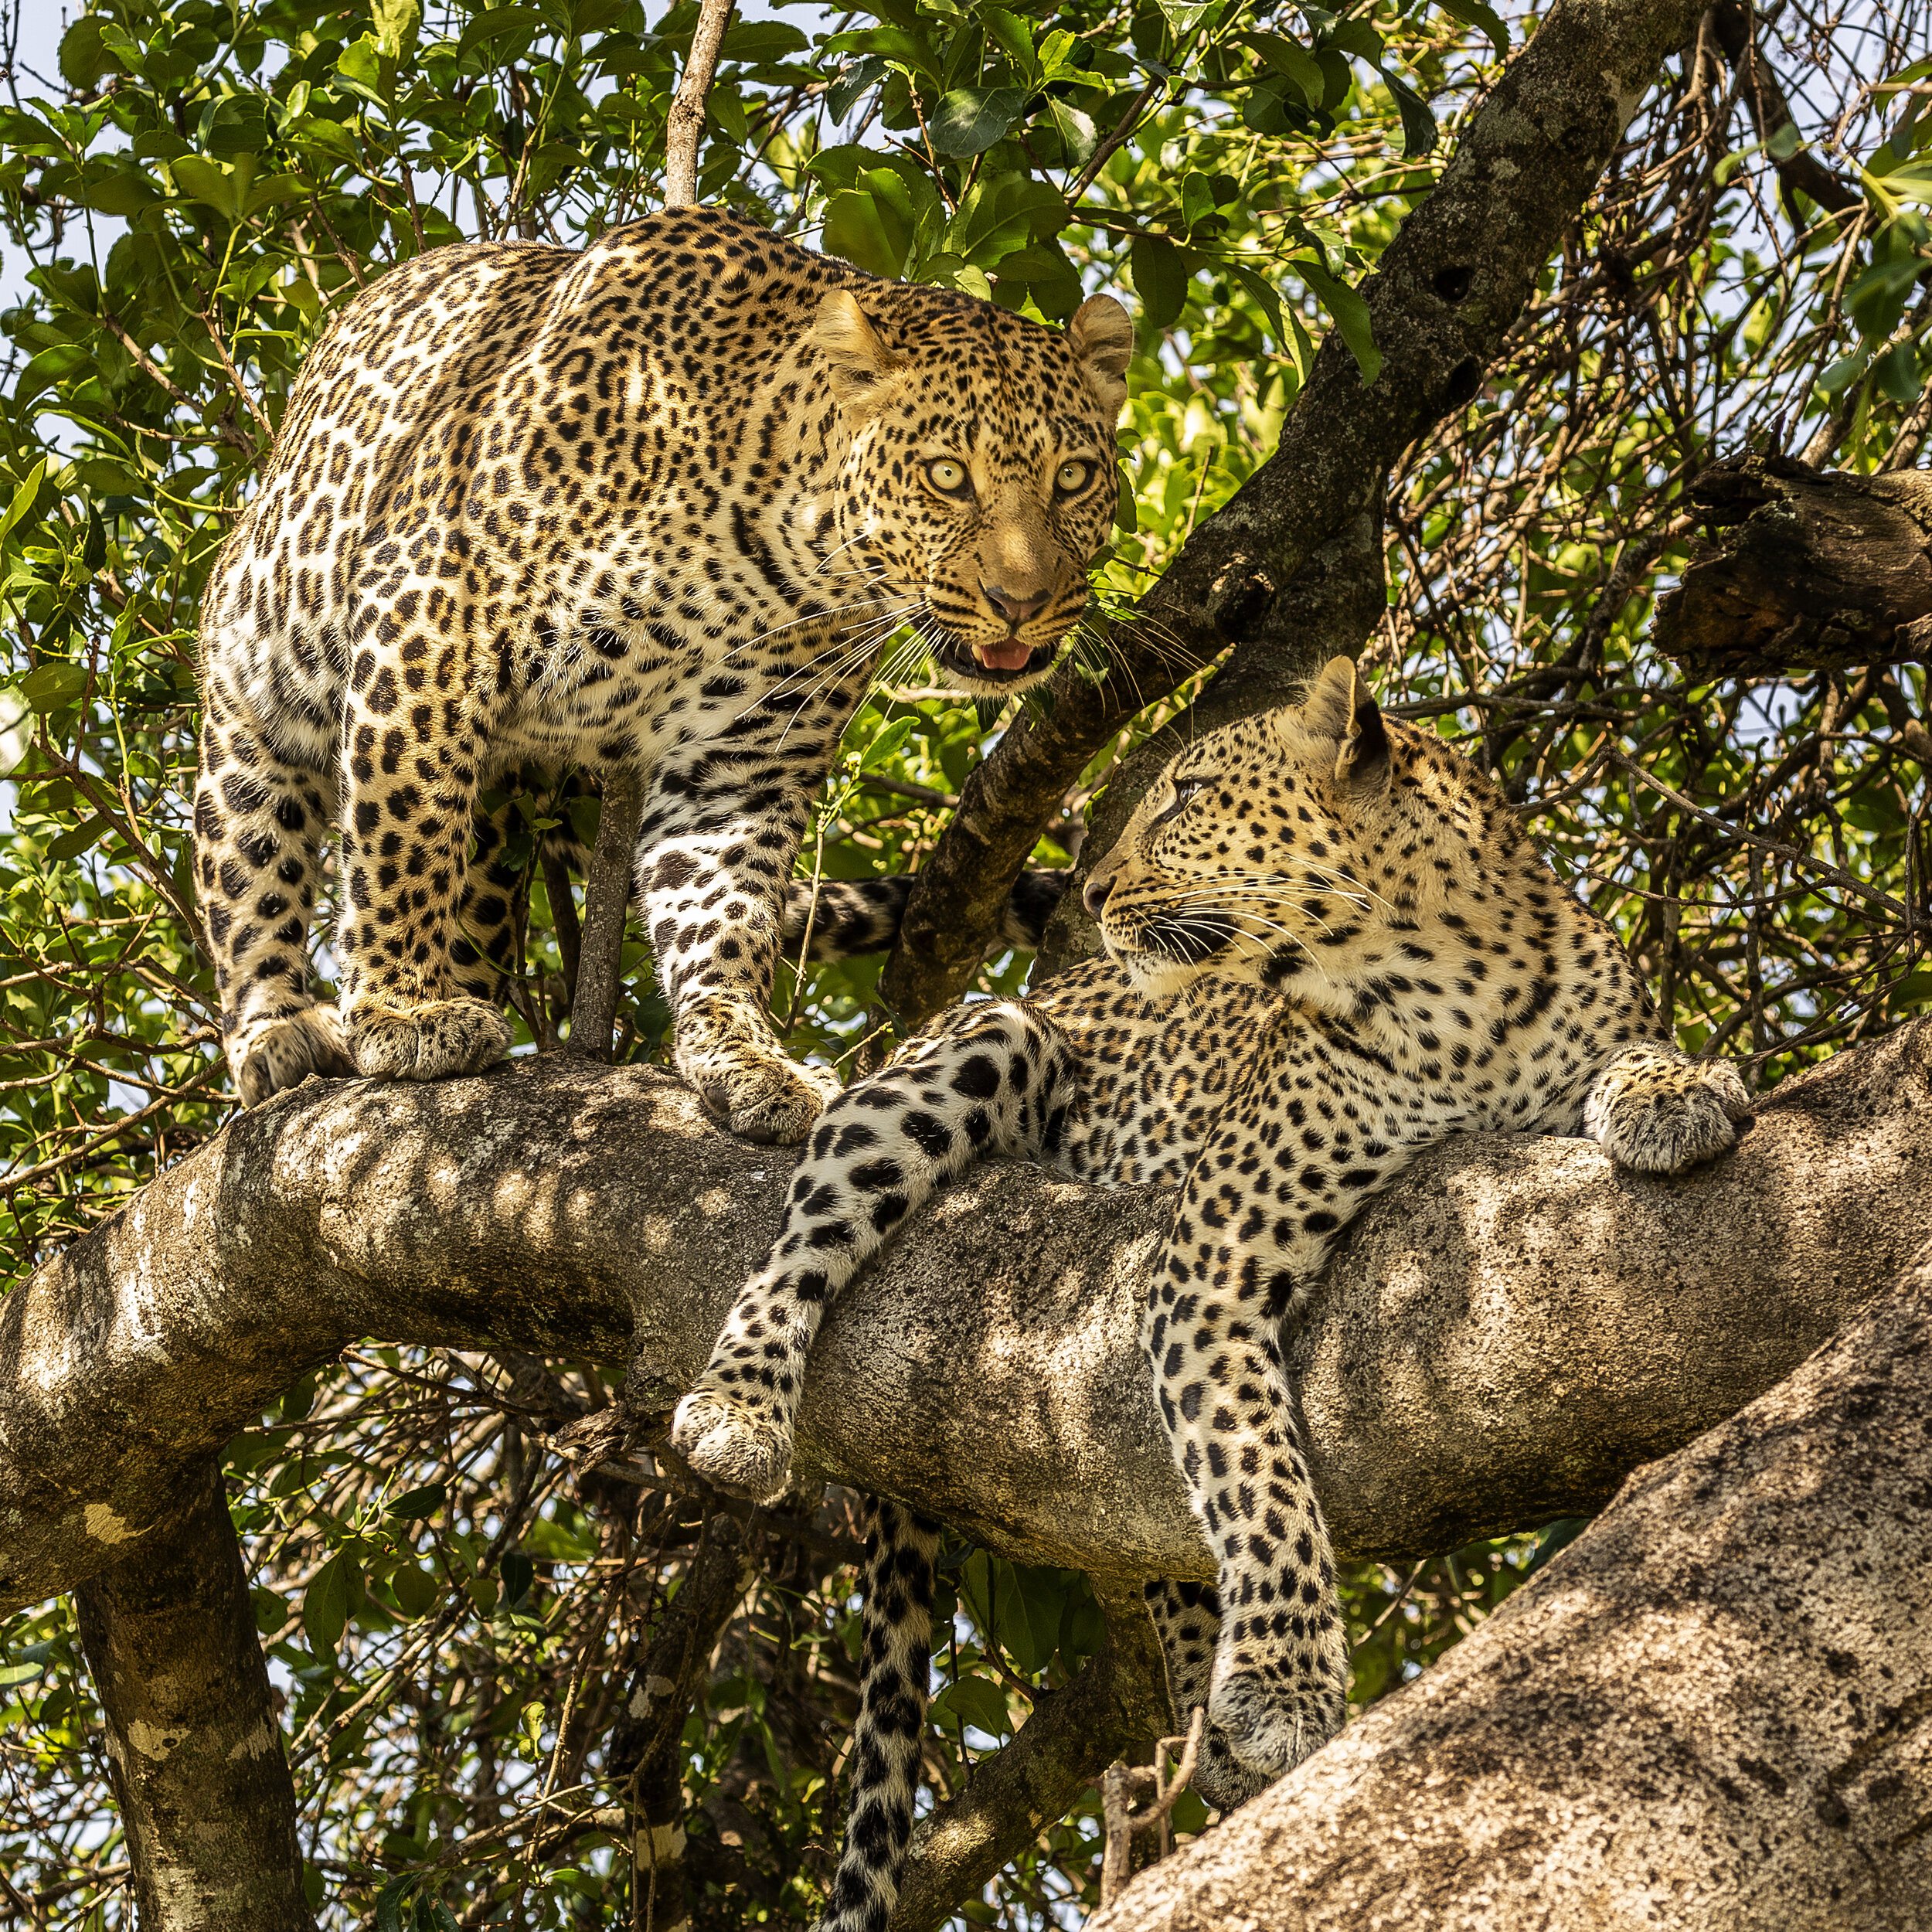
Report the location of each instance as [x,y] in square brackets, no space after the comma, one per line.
[996,1078]
[259,823]
[894,1675]
[1187,1619]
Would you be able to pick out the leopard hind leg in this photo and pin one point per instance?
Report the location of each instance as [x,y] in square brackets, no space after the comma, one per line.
[1657,1110]
[902,1548]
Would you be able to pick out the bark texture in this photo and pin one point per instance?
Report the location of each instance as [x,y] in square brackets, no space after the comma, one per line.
[1448,289]
[1712,1710]
[194,1750]
[1500,1340]
[1817,570]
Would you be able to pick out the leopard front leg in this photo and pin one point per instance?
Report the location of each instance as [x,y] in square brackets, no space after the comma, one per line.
[410,781]
[722,824]
[1278,1689]
[1658,1111]
[996,1078]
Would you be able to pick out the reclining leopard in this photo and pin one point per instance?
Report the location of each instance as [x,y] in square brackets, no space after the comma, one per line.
[655,506]
[1325,930]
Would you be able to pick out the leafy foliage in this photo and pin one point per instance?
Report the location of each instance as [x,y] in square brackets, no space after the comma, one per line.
[456,1627]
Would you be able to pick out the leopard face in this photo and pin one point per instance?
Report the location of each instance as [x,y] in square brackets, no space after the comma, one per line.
[1298,843]
[979,479]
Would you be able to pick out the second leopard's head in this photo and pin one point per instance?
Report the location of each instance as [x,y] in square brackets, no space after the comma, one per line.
[980,479]
[1300,848]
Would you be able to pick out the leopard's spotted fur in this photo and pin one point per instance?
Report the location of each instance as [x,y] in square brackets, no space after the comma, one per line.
[651,507]
[1329,946]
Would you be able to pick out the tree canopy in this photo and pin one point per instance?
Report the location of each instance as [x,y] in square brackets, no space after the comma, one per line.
[455,1620]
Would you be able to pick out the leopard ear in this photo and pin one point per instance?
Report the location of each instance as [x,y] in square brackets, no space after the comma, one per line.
[855,360]
[1101,337]
[1339,707]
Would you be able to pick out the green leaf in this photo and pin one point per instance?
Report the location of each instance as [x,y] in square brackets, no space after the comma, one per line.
[1294,64]
[866,233]
[1351,315]
[1473,13]
[887,744]
[1013,38]
[54,684]
[1263,292]
[517,26]
[1160,278]
[976,1701]
[413,1503]
[969,119]
[325,1606]
[1418,124]
[1357,37]
[24,497]
[13,1674]
[1897,373]
[367,71]
[389,1904]
[397,23]
[72,844]
[761,42]
[854,82]
[518,1573]
[417,1590]
[1183,16]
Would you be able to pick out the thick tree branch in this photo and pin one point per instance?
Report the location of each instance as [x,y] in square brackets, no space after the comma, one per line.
[1449,287]
[196,1754]
[1816,570]
[1712,1710]
[1501,1339]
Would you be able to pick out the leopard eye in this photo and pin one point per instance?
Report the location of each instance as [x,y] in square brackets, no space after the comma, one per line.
[1073,477]
[950,477]
[1185,791]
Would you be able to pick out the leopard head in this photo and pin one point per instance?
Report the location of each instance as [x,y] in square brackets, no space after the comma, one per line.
[980,478]
[1300,847]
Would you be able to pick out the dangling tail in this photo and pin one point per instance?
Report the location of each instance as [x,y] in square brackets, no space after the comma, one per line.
[895,1672]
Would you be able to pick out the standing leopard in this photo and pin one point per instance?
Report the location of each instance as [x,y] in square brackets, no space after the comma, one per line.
[653,508]
[1328,945]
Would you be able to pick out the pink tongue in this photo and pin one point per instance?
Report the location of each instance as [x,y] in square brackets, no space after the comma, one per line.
[1003,657]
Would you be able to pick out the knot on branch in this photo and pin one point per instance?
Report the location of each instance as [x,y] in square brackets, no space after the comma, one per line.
[1814,570]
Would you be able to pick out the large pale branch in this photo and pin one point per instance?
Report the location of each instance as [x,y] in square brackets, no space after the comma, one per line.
[1503,1337]
[1448,289]
[1713,1710]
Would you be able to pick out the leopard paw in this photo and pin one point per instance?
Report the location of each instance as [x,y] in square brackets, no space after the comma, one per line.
[745,1450]
[768,1099]
[430,1040]
[1271,1730]
[283,1054]
[1658,1116]
[1222,1780]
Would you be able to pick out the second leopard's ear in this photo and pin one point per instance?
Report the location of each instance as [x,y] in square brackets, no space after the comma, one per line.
[1340,706]
[855,360]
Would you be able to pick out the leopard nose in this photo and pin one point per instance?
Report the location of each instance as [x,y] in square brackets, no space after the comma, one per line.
[1014,608]
[1094,896]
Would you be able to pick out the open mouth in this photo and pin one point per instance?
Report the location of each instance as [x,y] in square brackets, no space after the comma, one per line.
[1005,662]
